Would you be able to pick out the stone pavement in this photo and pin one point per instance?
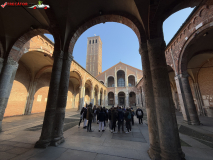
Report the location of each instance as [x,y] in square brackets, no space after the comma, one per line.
[20,134]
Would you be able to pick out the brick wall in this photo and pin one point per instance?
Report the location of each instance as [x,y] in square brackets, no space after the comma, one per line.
[40,97]
[205,80]
[17,100]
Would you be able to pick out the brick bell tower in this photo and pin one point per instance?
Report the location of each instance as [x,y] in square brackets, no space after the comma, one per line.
[94,55]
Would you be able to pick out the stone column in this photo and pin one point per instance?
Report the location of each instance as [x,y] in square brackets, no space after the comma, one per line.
[199,98]
[92,96]
[192,116]
[57,131]
[99,97]
[1,64]
[126,79]
[154,150]
[163,100]
[6,82]
[46,133]
[127,100]
[30,97]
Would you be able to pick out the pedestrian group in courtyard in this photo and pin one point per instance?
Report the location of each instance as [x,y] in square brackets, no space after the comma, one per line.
[115,117]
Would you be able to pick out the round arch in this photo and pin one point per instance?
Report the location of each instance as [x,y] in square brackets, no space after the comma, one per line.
[132,98]
[128,20]
[110,81]
[111,98]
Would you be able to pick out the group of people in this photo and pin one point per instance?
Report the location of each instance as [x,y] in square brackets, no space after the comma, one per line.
[115,116]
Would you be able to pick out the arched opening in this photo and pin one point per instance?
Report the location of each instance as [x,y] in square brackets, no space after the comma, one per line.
[75,81]
[132,99]
[111,81]
[96,94]
[101,96]
[121,78]
[131,81]
[18,96]
[121,99]
[88,88]
[111,99]
[171,74]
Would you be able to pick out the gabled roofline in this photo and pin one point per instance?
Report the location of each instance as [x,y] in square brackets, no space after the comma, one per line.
[117,64]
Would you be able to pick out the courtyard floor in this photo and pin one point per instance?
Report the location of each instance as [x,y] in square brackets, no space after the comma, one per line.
[21,132]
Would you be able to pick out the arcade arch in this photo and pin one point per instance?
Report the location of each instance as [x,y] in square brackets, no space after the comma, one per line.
[121,78]
[121,98]
[111,98]
[111,81]
[131,81]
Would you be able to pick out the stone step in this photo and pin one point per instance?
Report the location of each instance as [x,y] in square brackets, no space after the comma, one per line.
[203,137]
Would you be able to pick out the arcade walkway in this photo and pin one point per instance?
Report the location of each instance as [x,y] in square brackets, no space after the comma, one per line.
[20,134]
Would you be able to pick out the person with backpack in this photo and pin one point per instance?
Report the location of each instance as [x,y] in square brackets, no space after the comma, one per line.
[81,116]
[113,119]
[102,117]
[132,116]
[110,121]
[139,113]
[120,119]
[128,118]
[89,117]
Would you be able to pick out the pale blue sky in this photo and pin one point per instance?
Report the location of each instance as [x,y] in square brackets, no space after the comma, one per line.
[120,42]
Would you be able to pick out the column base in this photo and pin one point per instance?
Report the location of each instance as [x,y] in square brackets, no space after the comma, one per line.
[57,141]
[154,154]
[165,155]
[42,144]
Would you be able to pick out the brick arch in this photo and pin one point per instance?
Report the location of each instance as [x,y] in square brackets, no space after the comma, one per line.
[110,91]
[182,61]
[41,71]
[128,20]
[80,75]
[89,81]
[14,52]
[47,53]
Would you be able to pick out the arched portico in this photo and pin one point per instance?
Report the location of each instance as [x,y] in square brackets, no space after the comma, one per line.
[121,99]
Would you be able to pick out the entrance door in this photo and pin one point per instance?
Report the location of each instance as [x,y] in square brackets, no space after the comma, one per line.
[121,101]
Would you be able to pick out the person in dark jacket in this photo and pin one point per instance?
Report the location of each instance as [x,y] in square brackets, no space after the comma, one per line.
[113,118]
[139,114]
[85,117]
[89,118]
[81,116]
[120,119]
[133,114]
[110,121]
[128,120]
[102,117]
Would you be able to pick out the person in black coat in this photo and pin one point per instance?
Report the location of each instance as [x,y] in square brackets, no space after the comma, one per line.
[120,119]
[139,114]
[128,117]
[81,116]
[85,117]
[114,118]
[101,117]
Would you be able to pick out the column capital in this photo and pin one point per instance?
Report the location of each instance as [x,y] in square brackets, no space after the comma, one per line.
[156,43]
[58,54]
[10,61]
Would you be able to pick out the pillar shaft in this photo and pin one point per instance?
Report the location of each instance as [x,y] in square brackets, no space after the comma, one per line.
[30,97]
[62,101]
[92,96]
[189,102]
[163,102]
[154,150]
[8,73]
[46,134]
